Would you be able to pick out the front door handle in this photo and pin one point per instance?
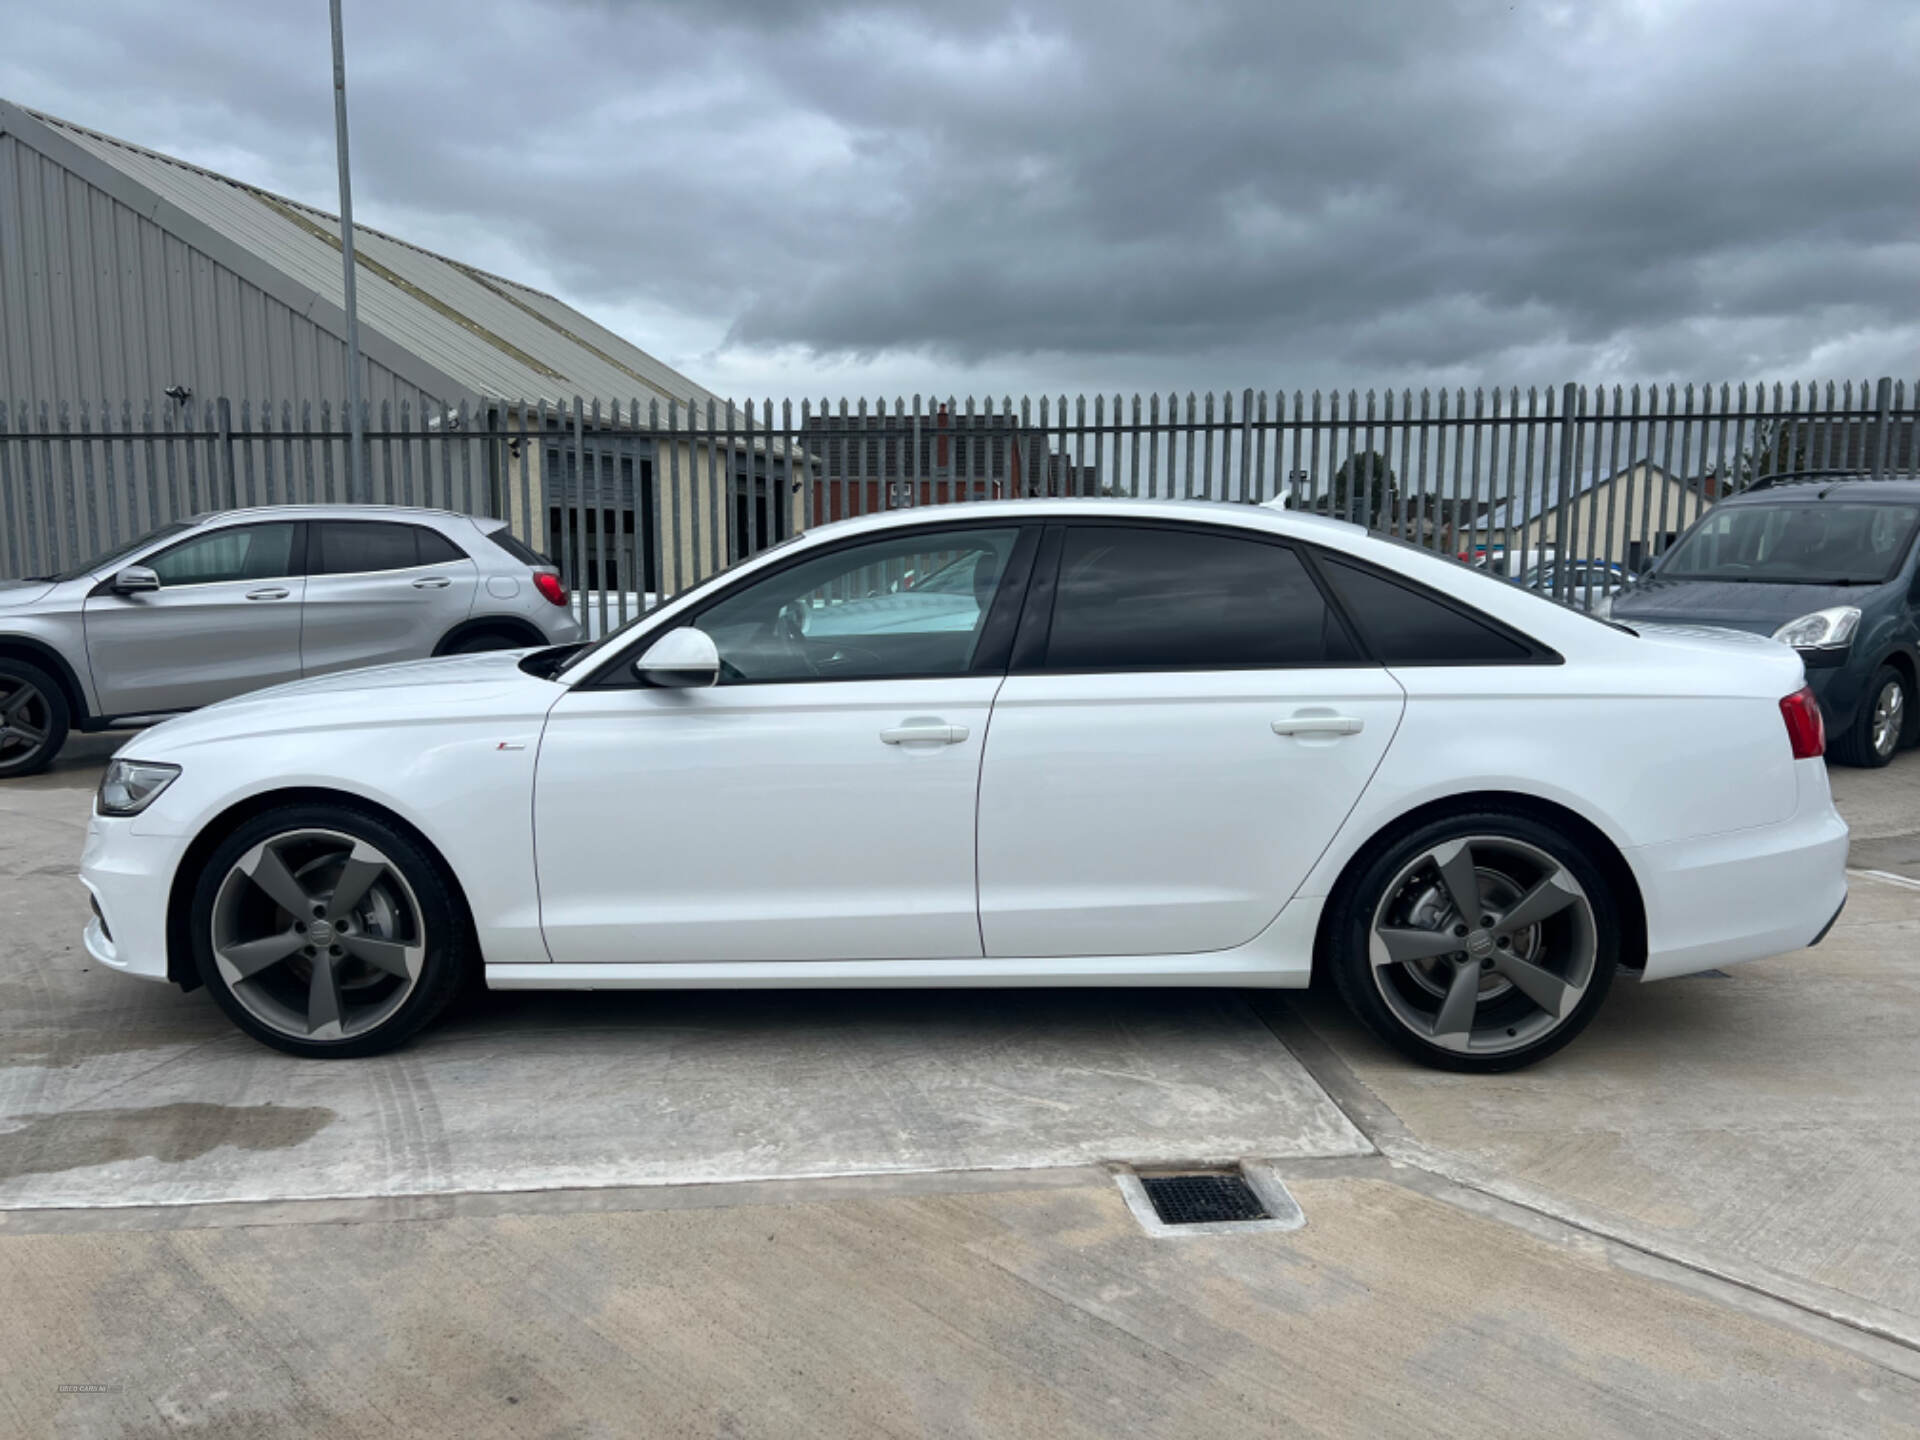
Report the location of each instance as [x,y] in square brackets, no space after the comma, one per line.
[269,592]
[1322,724]
[432,582]
[923,732]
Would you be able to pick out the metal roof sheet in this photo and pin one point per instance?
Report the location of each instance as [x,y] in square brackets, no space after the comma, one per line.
[500,339]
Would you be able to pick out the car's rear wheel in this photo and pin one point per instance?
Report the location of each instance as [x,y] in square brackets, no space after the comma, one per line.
[326,931]
[1477,942]
[1881,726]
[33,718]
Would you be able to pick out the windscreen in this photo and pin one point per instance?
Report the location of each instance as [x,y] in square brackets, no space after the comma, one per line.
[1810,543]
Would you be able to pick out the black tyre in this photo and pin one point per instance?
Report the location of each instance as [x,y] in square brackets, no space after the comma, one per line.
[33,718]
[328,932]
[1481,941]
[1881,726]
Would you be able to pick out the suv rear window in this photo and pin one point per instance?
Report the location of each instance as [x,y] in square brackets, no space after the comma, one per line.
[526,555]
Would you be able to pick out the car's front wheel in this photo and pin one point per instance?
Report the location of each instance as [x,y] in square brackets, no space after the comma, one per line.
[326,931]
[1880,727]
[1477,942]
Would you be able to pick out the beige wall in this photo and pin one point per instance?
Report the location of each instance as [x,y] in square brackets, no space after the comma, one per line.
[1633,500]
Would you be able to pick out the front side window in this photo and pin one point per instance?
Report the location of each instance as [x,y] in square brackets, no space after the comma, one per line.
[858,613]
[1165,599]
[1809,542]
[239,552]
[358,547]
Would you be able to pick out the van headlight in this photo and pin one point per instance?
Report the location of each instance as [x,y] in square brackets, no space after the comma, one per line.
[1830,629]
[129,786]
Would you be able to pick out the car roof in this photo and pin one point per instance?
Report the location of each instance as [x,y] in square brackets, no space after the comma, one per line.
[1851,485]
[1254,517]
[336,512]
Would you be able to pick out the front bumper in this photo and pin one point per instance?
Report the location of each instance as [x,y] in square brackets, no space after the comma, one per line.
[1746,894]
[129,877]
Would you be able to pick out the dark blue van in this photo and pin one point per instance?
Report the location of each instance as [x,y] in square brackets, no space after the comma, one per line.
[1826,564]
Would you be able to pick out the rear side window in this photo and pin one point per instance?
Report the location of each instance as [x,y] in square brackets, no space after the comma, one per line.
[435,548]
[358,547]
[526,555]
[1404,625]
[1164,599]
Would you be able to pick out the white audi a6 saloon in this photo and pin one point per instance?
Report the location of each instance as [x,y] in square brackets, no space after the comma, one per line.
[1115,743]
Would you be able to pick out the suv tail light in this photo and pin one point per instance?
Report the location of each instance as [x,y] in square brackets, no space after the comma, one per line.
[1806,730]
[548,584]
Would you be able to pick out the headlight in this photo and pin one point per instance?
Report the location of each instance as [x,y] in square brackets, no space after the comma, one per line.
[129,786]
[1830,629]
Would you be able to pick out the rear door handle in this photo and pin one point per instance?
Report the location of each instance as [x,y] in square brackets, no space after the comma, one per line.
[432,582]
[269,592]
[923,733]
[1319,725]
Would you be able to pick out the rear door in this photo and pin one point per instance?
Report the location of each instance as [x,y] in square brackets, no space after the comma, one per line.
[380,590]
[225,620]
[1187,724]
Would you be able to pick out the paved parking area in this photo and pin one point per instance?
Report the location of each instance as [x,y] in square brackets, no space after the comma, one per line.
[889,1214]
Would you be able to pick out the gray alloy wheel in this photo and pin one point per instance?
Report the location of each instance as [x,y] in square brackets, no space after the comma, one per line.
[26,718]
[1889,717]
[318,935]
[1483,945]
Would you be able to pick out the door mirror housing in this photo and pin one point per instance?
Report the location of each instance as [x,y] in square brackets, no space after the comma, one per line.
[683,659]
[135,579]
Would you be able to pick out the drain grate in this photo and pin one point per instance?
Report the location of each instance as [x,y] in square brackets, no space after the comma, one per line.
[1213,1199]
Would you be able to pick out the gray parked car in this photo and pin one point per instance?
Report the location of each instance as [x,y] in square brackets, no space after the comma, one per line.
[1827,563]
[221,604]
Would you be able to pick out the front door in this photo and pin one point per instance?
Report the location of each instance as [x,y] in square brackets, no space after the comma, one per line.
[1175,750]
[225,620]
[817,803]
[380,591]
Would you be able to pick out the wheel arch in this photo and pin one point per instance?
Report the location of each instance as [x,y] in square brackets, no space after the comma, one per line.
[1595,841]
[516,626]
[181,969]
[38,652]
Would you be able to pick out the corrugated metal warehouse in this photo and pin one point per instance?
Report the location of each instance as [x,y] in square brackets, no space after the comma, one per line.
[124,272]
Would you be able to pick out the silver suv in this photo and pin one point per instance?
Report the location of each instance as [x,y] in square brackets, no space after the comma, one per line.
[221,604]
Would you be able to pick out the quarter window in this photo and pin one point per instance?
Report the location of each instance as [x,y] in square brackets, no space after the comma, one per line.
[862,614]
[435,548]
[1403,625]
[239,552]
[1165,599]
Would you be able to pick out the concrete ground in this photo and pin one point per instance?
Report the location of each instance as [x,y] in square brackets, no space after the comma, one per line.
[896,1214]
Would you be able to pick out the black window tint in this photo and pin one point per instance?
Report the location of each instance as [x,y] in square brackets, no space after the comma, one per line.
[1405,626]
[525,554]
[435,548]
[1133,599]
[238,552]
[353,547]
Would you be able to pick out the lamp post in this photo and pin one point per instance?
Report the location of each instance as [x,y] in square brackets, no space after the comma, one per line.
[356,488]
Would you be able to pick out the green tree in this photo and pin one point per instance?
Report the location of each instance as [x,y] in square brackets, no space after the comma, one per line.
[1363,490]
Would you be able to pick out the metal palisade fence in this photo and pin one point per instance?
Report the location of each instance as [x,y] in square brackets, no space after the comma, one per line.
[1567,489]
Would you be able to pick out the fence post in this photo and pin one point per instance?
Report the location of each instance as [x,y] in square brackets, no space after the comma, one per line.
[224,409]
[1882,425]
[1563,488]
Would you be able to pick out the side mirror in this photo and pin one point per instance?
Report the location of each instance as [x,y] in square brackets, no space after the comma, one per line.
[134,579]
[682,659]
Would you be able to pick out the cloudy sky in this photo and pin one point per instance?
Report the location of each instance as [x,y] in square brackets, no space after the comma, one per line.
[807,196]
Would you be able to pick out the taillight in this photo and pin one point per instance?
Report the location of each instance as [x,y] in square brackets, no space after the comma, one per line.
[1806,730]
[548,584]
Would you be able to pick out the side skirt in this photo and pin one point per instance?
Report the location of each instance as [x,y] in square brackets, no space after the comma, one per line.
[1280,958]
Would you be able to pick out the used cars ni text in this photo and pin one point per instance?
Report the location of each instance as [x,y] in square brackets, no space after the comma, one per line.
[208,608]
[1118,743]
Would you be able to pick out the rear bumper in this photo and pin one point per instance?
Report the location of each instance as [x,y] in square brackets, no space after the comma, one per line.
[1723,899]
